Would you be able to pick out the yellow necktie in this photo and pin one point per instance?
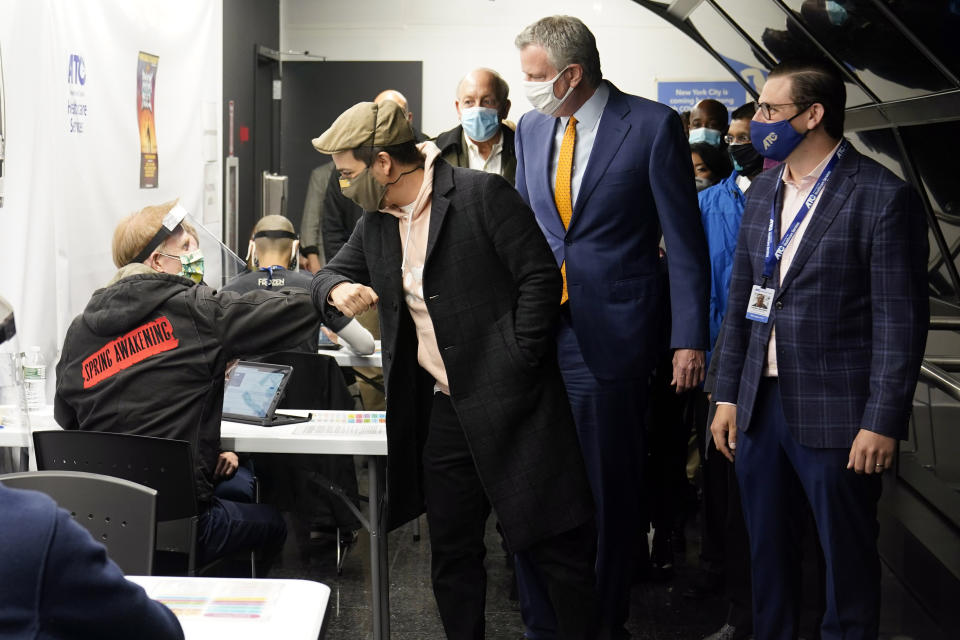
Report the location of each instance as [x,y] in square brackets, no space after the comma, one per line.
[561,191]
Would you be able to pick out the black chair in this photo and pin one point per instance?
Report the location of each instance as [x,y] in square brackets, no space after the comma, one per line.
[120,514]
[159,463]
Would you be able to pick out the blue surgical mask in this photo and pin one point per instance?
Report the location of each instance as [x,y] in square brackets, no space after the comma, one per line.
[703,134]
[775,140]
[480,123]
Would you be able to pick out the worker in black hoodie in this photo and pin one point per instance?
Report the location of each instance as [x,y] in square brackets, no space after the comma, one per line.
[148,356]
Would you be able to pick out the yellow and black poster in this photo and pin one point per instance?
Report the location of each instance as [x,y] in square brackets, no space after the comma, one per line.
[146,89]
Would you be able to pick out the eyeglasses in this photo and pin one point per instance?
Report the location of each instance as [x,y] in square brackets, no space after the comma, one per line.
[768,110]
[740,138]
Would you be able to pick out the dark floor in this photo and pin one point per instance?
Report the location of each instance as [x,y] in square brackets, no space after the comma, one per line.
[658,610]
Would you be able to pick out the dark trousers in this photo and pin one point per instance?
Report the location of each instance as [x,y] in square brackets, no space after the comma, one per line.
[724,547]
[775,473]
[457,511]
[241,487]
[228,527]
[609,415]
[233,522]
[671,420]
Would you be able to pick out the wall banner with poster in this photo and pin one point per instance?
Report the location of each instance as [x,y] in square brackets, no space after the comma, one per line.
[146,86]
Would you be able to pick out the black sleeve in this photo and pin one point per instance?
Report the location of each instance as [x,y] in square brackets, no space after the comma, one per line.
[349,265]
[521,246]
[340,216]
[258,321]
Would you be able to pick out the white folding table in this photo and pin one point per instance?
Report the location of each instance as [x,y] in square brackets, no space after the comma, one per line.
[241,608]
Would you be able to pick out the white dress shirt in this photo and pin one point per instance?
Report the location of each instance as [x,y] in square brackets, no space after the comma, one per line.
[490,164]
[588,121]
[794,193]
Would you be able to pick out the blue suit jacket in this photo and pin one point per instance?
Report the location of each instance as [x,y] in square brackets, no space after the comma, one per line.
[638,179]
[851,314]
[57,582]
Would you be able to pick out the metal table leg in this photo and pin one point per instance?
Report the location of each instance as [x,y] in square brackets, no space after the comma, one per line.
[380,588]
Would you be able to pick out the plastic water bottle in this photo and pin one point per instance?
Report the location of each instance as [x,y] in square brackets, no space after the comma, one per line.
[35,380]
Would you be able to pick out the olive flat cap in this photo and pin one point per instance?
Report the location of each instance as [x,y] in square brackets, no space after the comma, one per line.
[366,124]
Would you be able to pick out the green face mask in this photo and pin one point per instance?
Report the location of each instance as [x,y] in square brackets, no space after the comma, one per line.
[364,190]
[191,264]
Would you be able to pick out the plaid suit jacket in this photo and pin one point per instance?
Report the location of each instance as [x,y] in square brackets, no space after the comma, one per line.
[851,314]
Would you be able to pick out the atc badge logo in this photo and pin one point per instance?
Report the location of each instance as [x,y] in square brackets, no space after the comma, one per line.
[76,70]
[76,98]
[769,140]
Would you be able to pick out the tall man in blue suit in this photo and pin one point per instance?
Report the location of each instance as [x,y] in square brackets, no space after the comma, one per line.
[605,172]
[821,382]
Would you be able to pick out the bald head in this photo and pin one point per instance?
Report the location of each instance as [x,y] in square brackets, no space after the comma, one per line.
[273,223]
[483,88]
[276,242]
[710,114]
[395,96]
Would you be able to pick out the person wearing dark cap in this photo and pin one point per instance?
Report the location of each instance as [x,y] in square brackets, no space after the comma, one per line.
[477,414]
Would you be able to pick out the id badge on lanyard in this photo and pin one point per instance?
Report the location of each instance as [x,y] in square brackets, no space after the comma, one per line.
[758,307]
[761,296]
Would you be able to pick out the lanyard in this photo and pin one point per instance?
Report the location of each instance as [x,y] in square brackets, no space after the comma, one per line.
[772,257]
[269,271]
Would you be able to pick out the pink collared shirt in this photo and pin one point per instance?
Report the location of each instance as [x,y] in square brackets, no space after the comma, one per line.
[794,193]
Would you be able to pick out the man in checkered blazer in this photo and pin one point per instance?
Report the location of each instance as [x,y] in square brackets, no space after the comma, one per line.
[820,383]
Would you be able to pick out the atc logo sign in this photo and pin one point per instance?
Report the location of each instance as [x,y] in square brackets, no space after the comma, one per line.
[76,70]
[76,94]
[769,140]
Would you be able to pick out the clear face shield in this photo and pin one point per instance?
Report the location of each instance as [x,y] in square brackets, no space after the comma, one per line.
[203,258]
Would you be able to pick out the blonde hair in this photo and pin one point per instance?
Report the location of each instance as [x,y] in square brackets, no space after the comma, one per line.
[134,232]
